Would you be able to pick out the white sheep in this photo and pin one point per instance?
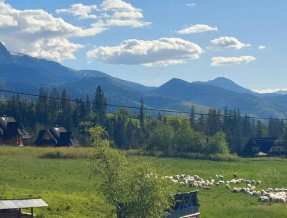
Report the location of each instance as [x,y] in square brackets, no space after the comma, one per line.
[264,199]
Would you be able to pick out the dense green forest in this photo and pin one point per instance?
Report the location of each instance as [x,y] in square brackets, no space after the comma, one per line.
[133,128]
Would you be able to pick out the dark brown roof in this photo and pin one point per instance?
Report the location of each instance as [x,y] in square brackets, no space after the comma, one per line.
[5,120]
[264,145]
[58,130]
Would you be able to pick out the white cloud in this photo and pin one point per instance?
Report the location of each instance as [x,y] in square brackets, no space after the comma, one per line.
[163,52]
[7,21]
[269,90]
[109,13]
[118,5]
[226,42]
[39,34]
[198,28]
[81,11]
[190,4]
[119,22]
[54,48]
[222,61]
[261,47]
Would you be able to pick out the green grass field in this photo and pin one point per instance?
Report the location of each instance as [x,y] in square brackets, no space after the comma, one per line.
[67,186]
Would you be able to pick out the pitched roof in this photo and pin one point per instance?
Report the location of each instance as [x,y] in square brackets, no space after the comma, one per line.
[5,120]
[264,145]
[58,130]
[22,203]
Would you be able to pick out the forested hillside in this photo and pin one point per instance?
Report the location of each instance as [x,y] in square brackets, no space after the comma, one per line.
[169,133]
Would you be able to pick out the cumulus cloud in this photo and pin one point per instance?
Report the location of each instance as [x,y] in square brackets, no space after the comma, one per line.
[222,61]
[39,34]
[226,42]
[81,11]
[261,47]
[198,28]
[109,13]
[117,5]
[163,52]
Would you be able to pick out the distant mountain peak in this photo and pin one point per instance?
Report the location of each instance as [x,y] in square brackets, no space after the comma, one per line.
[228,84]
[176,81]
[5,56]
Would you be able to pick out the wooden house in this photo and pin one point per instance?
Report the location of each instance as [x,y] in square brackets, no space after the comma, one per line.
[56,137]
[260,147]
[11,132]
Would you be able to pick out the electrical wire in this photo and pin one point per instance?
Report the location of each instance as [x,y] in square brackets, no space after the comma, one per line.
[133,107]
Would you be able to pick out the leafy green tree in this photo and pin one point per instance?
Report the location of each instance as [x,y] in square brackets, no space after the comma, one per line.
[161,139]
[217,144]
[136,187]
[133,134]
[187,140]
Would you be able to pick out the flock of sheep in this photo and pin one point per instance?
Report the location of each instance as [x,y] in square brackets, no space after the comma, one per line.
[270,194]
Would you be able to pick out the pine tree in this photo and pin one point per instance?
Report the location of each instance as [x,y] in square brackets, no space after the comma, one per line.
[192,117]
[54,104]
[142,115]
[42,107]
[100,107]
[66,111]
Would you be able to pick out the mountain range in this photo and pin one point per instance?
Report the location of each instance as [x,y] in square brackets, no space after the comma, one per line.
[23,73]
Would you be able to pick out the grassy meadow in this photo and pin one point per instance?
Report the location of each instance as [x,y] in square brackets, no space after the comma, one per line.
[62,178]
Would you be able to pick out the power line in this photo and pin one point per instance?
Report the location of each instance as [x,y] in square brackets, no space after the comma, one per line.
[129,107]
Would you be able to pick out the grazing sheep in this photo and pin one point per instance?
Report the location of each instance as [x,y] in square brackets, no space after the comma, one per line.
[174,181]
[227,186]
[264,199]
[243,190]
[257,193]
[221,177]
[182,184]
[236,190]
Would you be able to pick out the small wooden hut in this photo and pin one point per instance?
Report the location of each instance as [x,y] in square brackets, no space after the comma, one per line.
[11,132]
[56,137]
[13,208]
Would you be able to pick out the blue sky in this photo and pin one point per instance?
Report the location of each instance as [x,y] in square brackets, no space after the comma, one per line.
[152,41]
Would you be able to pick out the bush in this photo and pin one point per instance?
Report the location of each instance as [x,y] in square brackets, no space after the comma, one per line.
[195,156]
